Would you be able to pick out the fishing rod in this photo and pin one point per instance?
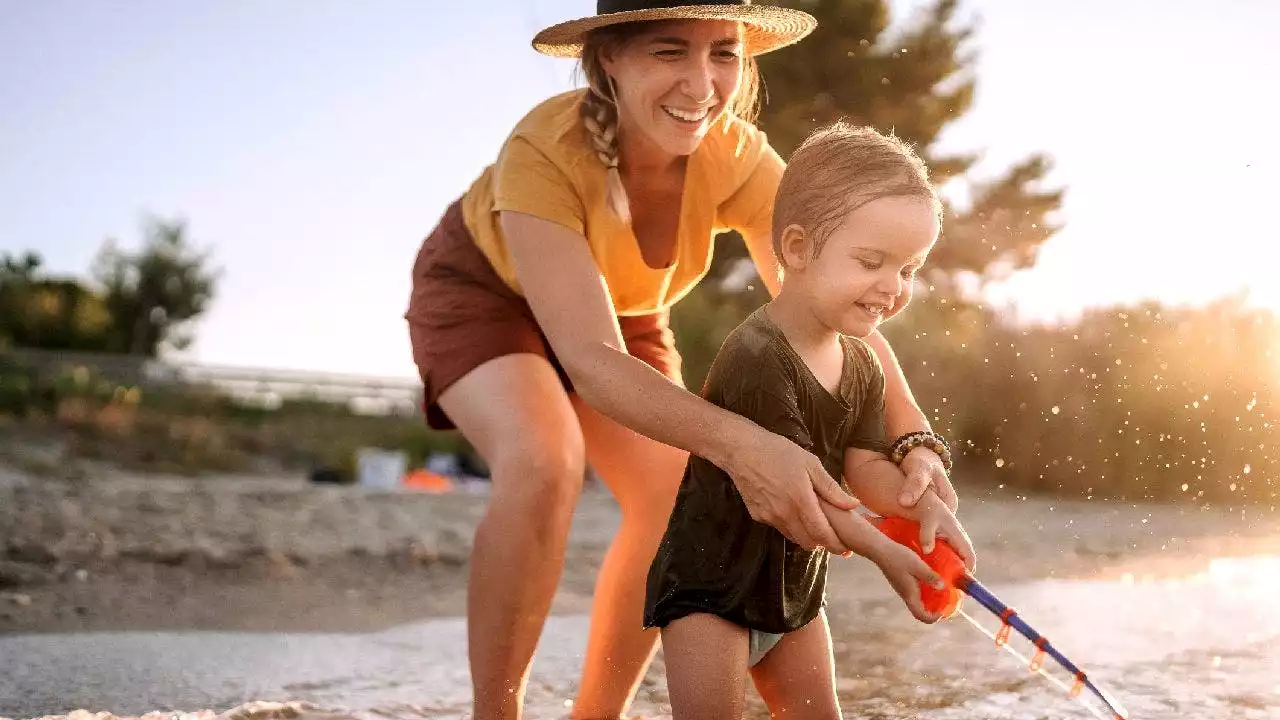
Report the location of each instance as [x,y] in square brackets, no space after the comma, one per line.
[946,602]
[1040,670]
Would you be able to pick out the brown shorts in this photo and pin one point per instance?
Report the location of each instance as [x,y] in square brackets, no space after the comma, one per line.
[461,315]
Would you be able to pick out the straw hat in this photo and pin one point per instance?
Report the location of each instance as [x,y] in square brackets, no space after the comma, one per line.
[767,27]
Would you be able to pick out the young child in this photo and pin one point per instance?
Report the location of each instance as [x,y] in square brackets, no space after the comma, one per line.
[854,220]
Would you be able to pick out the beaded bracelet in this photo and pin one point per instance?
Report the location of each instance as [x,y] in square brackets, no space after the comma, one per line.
[921,438]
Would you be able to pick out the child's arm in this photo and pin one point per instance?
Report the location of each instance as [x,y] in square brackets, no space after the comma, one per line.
[877,481]
[874,479]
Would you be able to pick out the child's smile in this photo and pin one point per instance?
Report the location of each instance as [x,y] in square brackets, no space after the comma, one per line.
[865,270]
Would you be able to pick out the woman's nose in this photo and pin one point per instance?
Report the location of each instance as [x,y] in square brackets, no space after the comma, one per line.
[698,82]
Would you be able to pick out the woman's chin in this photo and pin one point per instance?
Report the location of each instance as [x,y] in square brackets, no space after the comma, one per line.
[681,145]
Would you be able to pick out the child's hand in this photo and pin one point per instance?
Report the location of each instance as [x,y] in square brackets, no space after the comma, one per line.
[924,472]
[905,570]
[936,520]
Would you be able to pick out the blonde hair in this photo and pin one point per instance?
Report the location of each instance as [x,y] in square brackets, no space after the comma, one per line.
[840,168]
[600,105]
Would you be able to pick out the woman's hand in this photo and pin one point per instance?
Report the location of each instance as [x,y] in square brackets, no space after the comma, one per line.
[780,482]
[924,469]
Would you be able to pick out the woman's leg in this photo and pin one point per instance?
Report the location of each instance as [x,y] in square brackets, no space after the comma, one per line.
[643,476]
[516,414]
[706,667]
[797,677]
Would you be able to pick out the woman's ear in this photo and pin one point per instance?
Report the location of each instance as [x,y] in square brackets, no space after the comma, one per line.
[609,57]
[796,248]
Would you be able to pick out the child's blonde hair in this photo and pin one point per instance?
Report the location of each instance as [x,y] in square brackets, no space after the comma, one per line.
[838,169]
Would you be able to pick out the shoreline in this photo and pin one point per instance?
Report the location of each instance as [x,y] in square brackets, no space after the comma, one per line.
[279,554]
[223,571]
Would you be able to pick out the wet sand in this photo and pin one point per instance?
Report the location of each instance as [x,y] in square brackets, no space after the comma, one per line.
[278,556]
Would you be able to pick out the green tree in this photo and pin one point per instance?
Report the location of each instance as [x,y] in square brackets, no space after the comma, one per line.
[20,269]
[153,295]
[912,83]
[48,312]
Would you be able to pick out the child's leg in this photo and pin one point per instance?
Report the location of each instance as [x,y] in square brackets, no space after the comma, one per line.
[797,677]
[706,658]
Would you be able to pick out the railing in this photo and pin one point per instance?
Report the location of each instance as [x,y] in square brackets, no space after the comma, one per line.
[256,386]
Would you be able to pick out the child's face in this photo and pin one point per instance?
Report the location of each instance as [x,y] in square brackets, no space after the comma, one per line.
[866,269]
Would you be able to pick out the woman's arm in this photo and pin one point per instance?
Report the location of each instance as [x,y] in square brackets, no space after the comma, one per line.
[570,300]
[760,247]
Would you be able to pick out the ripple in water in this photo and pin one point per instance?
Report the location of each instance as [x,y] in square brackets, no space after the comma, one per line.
[1201,646]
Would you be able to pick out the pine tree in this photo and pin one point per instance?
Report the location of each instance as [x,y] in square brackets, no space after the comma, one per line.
[913,83]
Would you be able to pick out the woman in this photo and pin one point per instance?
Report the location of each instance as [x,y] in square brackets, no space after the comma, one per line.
[538,321]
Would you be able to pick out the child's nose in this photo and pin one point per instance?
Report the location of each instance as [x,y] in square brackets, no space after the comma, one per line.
[891,284]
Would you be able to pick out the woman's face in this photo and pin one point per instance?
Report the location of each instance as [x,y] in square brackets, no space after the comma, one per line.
[675,80]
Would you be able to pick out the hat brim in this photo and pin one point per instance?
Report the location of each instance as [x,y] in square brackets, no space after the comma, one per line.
[766,27]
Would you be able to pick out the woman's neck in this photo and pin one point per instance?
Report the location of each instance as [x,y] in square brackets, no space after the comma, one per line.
[640,157]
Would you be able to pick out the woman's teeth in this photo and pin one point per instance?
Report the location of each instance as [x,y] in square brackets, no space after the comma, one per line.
[695,116]
[873,309]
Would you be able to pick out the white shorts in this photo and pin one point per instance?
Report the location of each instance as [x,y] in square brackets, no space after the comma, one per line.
[760,645]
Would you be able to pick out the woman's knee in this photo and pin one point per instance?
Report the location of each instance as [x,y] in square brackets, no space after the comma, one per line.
[540,471]
[515,412]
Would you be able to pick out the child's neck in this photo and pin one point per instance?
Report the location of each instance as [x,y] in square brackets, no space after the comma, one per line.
[817,344]
[794,316]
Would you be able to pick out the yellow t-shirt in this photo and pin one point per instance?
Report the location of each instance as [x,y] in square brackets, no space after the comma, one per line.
[547,168]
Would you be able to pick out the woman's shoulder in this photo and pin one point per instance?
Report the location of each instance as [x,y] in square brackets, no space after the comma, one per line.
[554,125]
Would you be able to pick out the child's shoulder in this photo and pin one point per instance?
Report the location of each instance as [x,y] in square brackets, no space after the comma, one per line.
[755,336]
[862,381]
[756,339]
[753,353]
[861,352]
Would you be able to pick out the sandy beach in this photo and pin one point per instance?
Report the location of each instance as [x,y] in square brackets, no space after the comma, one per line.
[125,554]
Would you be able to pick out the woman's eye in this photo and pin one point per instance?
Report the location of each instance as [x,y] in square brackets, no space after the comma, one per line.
[869,264]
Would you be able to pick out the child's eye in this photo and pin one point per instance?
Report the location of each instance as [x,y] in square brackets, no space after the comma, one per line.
[668,54]
[728,54]
[908,273]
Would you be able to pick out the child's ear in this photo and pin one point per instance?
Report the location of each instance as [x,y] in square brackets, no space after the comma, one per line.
[796,247]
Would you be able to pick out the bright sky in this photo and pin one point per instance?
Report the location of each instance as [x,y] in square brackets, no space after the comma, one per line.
[313,143]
